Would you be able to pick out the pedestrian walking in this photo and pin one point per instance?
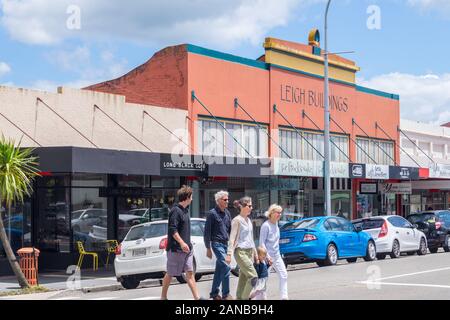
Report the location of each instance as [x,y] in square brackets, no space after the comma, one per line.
[262,269]
[216,237]
[241,244]
[269,238]
[179,249]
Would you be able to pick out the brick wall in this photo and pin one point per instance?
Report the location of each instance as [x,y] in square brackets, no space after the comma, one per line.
[161,81]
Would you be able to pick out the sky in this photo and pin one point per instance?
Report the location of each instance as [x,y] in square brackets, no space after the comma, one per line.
[402,46]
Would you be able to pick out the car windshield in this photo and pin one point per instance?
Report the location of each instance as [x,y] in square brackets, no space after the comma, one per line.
[369,224]
[302,224]
[423,217]
[147,231]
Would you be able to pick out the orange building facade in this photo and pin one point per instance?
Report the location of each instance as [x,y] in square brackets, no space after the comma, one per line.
[273,108]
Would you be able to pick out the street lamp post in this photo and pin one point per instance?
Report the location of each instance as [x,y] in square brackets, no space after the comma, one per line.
[327,152]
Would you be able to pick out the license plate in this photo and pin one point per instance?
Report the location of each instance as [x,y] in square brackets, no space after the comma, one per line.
[282,241]
[139,252]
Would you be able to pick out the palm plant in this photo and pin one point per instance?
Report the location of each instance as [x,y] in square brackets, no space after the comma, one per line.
[18,168]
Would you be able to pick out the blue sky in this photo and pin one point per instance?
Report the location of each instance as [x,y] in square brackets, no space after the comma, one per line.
[407,55]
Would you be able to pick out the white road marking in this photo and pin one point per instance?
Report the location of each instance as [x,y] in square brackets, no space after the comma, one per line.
[373,283]
[104,298]
[412,274]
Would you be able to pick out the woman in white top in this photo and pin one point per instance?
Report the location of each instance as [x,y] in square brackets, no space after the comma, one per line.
[241,244]
[269,238]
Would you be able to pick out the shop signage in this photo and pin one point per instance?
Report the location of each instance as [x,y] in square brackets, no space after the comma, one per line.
[441,171]
[396,188]
[307,168]
[105,192]
[368,188]
[403,173]
[311,98]
[357,170]
[376,171]
[187,165]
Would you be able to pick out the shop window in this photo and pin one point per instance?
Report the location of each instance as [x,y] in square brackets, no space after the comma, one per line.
[89,218]
[53,219]
[380,151]
[54,180]
[298,147]
[170,182]
[89,180]
[134,181]
[133,211]
[239,139]
[17,223]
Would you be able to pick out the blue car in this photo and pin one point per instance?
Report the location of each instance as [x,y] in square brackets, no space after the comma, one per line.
[324,240]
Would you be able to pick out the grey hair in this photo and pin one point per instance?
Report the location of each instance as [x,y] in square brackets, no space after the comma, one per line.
[219,195]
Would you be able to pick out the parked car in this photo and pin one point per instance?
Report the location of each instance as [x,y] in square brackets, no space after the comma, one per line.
[84,220]
[324,240]
[142,254]
[436,226]
[393,235]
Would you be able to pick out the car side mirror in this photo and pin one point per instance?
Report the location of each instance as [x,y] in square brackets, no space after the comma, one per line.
[415,226]
[358,228]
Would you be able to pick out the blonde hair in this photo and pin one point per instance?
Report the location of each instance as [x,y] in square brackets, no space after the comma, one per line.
[272,209]
[261,251]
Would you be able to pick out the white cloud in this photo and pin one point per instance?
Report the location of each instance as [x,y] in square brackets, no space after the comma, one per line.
[217,22]
[87,67]
[422,97]
[442,6]
[4,68]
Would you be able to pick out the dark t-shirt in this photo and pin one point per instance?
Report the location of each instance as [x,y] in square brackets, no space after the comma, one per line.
[179,221]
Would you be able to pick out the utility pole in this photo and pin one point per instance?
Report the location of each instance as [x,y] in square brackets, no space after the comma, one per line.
[327,179]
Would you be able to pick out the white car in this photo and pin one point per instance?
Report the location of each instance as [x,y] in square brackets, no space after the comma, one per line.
[142,254]
[394,235]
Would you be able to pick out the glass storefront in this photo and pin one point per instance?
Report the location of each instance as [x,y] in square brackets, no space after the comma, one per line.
[425,200]
[17,223]
[369,205]
[53,213]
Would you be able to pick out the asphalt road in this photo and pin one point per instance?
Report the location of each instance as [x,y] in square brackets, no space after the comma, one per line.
[409,277]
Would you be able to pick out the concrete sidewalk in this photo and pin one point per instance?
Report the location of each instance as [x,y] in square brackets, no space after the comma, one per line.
[89,281]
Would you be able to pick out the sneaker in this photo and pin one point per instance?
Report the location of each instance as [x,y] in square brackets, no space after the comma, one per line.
[218,297]
[228,297]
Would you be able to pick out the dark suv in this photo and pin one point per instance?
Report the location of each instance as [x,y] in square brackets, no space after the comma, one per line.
[436,226]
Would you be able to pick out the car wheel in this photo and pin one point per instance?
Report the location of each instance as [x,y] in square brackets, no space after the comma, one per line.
[332,255]
[447,243]
[129,282]
[423,247]
[235,271]
[371,252]
[352,260]
[182,278]
[395,250]
[381,256]
[433,250]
